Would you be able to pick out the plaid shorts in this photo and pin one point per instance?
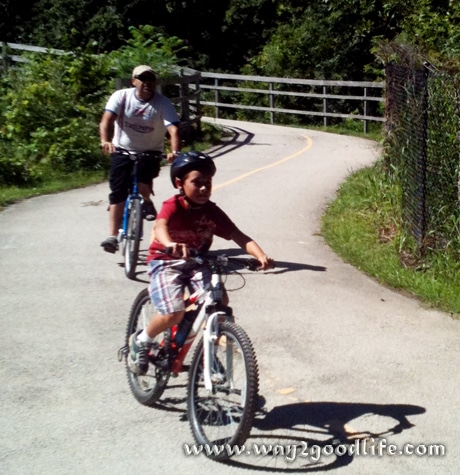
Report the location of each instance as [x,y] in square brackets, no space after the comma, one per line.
[170,278]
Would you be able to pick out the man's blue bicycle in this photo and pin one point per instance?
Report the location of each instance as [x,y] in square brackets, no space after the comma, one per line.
[131,232]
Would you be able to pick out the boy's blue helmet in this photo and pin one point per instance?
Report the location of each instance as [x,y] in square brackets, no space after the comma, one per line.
[186,162]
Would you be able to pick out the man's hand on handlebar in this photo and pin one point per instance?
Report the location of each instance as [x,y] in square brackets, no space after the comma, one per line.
[171,156]
[107,147]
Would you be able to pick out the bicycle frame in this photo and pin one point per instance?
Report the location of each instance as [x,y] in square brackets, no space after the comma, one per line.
[210,311]
[134,194]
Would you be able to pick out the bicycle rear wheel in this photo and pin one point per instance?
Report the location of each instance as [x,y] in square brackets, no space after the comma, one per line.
[133,237]
[225,414]
[148,388]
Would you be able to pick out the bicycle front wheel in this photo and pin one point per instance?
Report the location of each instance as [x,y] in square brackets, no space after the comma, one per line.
[133,237]
[225,414]
[148,388]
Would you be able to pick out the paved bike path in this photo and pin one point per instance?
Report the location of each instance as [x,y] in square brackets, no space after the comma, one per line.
[339,354]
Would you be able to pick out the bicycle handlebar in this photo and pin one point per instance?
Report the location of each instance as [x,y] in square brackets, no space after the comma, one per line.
[250,263]
[139,155]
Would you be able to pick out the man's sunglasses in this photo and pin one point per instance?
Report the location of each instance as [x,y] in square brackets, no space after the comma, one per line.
[146,78]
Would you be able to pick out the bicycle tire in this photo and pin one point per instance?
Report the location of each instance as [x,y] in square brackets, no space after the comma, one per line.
[148,388]
[224,416]
[133,237]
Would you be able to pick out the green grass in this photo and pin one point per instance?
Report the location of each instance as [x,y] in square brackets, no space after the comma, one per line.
[52,183]
[363,226]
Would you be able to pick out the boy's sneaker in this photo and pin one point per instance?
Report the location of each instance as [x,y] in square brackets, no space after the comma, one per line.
[148,211]
[138,357]
[110,244]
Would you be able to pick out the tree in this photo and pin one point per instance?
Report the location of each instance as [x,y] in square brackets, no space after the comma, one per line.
[72,24]
[15,19]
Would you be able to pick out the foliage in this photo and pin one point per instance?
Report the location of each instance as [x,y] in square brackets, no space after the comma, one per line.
[327,39]
[435,27]
[49,115]
[73,24]
[50,107]
[54,181]
[147,45]
[363,226]
[443,151]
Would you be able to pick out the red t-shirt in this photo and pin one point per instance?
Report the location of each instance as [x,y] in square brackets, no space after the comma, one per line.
[192,226]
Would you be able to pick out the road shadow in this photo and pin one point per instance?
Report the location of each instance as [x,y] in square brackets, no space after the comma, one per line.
[141,267]
[174,398]
[280,266]
[307,437]
[237,138]
[320,436]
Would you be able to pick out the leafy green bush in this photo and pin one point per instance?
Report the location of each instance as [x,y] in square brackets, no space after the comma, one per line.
[51,105]
[50,110]
[147,46]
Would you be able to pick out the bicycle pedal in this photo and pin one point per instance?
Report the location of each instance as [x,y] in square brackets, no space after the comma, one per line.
[123,352]
[161,364]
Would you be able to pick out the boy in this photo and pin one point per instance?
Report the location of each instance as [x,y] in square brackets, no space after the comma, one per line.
[186,221]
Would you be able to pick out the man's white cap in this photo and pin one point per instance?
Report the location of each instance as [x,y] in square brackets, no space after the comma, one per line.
[142,69]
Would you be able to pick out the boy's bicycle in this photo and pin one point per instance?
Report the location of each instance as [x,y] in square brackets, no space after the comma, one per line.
[222,390]
[130,234]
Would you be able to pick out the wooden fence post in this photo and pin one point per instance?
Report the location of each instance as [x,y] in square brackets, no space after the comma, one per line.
[216,96]
[4,57]
[325,119]
[272,104]
[366,122]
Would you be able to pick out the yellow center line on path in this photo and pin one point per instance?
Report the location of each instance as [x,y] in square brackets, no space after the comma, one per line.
[257,170]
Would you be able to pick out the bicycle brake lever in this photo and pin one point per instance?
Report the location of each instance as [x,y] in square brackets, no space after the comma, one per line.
[253,264]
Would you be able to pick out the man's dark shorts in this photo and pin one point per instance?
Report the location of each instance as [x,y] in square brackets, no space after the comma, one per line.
[121,169]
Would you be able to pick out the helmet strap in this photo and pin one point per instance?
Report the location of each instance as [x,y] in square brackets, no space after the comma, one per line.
[191,203]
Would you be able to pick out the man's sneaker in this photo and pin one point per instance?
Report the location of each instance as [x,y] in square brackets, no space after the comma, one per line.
[138,357]
[148,211]
[110,244]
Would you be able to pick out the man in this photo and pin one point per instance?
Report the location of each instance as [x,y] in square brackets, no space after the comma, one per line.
[136,119]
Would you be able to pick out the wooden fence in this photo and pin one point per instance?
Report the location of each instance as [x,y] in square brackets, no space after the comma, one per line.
[368,93]
[183,89]
[190,90]
[8,59]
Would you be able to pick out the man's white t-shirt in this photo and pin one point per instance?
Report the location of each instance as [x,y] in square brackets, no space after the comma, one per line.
[140,125]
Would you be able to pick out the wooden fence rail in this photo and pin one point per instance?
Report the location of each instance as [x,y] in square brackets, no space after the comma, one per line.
[273,91]
[190,90]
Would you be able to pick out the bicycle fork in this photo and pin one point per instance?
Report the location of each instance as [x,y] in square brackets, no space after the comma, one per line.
[210,339]
[123,231]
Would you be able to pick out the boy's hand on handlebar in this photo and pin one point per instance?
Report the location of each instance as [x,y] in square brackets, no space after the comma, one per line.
[179,250]
[266,262]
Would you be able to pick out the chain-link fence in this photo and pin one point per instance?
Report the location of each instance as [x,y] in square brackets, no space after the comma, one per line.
[423,127]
